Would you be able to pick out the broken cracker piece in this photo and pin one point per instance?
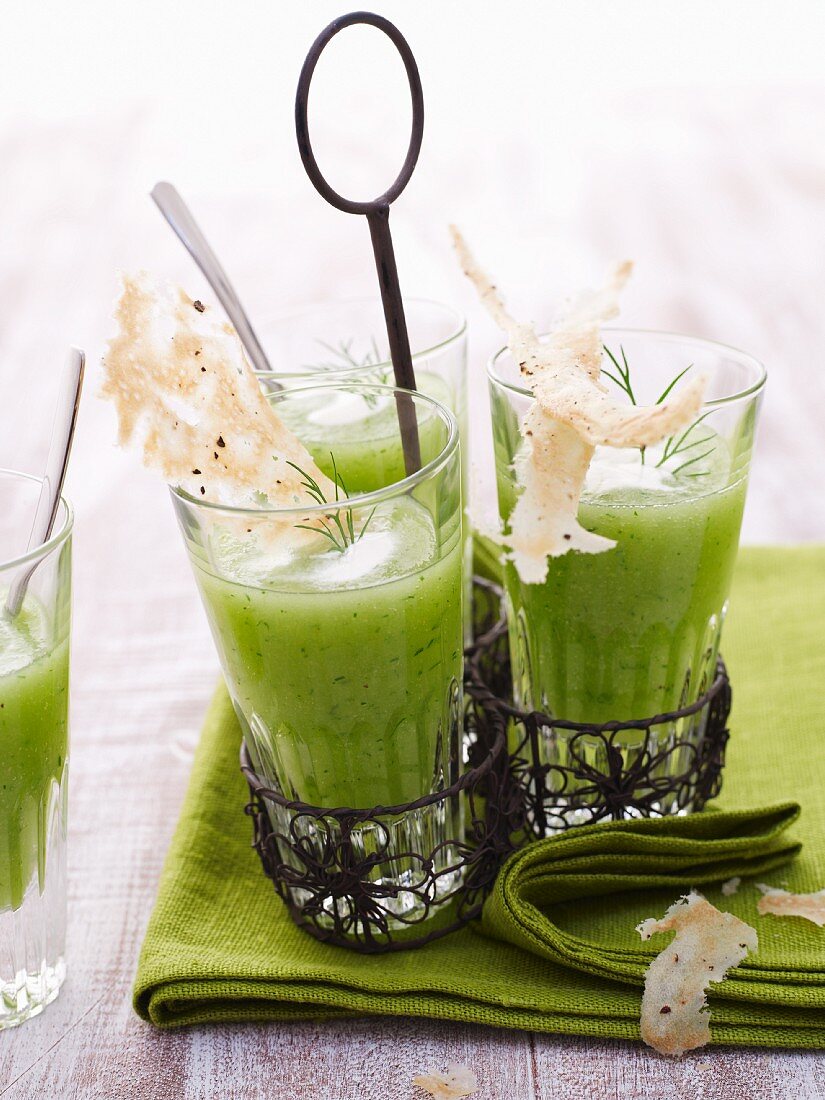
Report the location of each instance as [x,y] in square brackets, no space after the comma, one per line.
[675,1017]
[551,470]
[572,413]
[185,393]
[458,1081]
[731,886]
[782,903]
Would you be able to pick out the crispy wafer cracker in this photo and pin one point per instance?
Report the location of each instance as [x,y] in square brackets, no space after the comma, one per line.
[782,903]
[186,395]
[457,1082]
[573,412]
[675,1016]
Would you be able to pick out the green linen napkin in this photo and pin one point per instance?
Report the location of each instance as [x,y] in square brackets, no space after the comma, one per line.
[557,950]
[600,881]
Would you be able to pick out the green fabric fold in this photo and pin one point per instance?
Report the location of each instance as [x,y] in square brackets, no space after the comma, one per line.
[594,864]
[557,949]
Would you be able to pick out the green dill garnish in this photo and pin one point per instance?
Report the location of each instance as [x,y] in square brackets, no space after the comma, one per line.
[670,386]
[680,446]
[673,446]
[344,357]
[623,380]
[340,532]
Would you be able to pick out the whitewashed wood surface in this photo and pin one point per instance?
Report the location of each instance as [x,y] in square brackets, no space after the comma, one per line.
[727,219]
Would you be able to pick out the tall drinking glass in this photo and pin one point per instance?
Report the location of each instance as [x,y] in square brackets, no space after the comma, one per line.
[634,632]
[346,341]
[34,746]
[343,652]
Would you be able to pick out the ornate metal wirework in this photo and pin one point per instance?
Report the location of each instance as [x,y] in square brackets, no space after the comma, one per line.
[335,883]
[330,866]
[571,773]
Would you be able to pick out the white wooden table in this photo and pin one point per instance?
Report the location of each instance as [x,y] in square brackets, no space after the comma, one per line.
[732,245]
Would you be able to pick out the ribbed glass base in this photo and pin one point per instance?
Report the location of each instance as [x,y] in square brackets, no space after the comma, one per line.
[33,929]
[29,992]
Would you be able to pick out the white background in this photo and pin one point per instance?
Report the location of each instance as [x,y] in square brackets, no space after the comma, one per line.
[560,136]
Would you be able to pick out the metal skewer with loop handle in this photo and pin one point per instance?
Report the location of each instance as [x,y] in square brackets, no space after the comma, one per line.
[377,213]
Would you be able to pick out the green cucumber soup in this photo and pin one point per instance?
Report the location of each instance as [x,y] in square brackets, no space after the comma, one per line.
[359,426]
[34,699]
[634,631]
[342,645]
[631,633]
[345,668]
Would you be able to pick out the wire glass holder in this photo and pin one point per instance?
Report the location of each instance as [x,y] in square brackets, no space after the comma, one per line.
[329,865]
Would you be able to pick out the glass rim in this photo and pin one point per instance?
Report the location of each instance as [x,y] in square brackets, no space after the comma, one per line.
[743,357]
[374,496]
[309,308]
[54,540]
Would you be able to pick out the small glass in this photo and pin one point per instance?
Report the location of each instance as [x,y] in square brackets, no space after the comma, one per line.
[346,341]
[634,632]
[34,747]
[343,654]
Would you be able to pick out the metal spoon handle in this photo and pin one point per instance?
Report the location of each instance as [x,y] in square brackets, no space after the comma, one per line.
[60,446]
[177,213]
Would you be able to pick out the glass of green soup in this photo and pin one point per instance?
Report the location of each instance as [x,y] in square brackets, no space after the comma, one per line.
[34,747]
[346,341]
[342,651]
[634,632]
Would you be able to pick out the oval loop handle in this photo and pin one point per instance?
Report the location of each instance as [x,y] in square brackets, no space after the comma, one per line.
[349,206]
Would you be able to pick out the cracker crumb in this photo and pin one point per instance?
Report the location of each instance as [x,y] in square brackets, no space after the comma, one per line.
[731,886]
[456,1082]
[782,903]
[675,1016]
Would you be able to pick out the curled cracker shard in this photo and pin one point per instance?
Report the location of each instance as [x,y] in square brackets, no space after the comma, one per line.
[782,903]
[185,393]
[707,943]
[457,1082]
[571,415]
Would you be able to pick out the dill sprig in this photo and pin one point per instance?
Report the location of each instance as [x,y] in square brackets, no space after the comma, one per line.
[672,383]
[343,356]
[623,370]
[678,446]
[340,531]
[623,380]
[674,446]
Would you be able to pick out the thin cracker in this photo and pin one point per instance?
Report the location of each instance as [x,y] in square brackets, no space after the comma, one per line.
[551,469]
[186,395]
[457,1082]
[783,903]
[675,1017]
[572,414]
